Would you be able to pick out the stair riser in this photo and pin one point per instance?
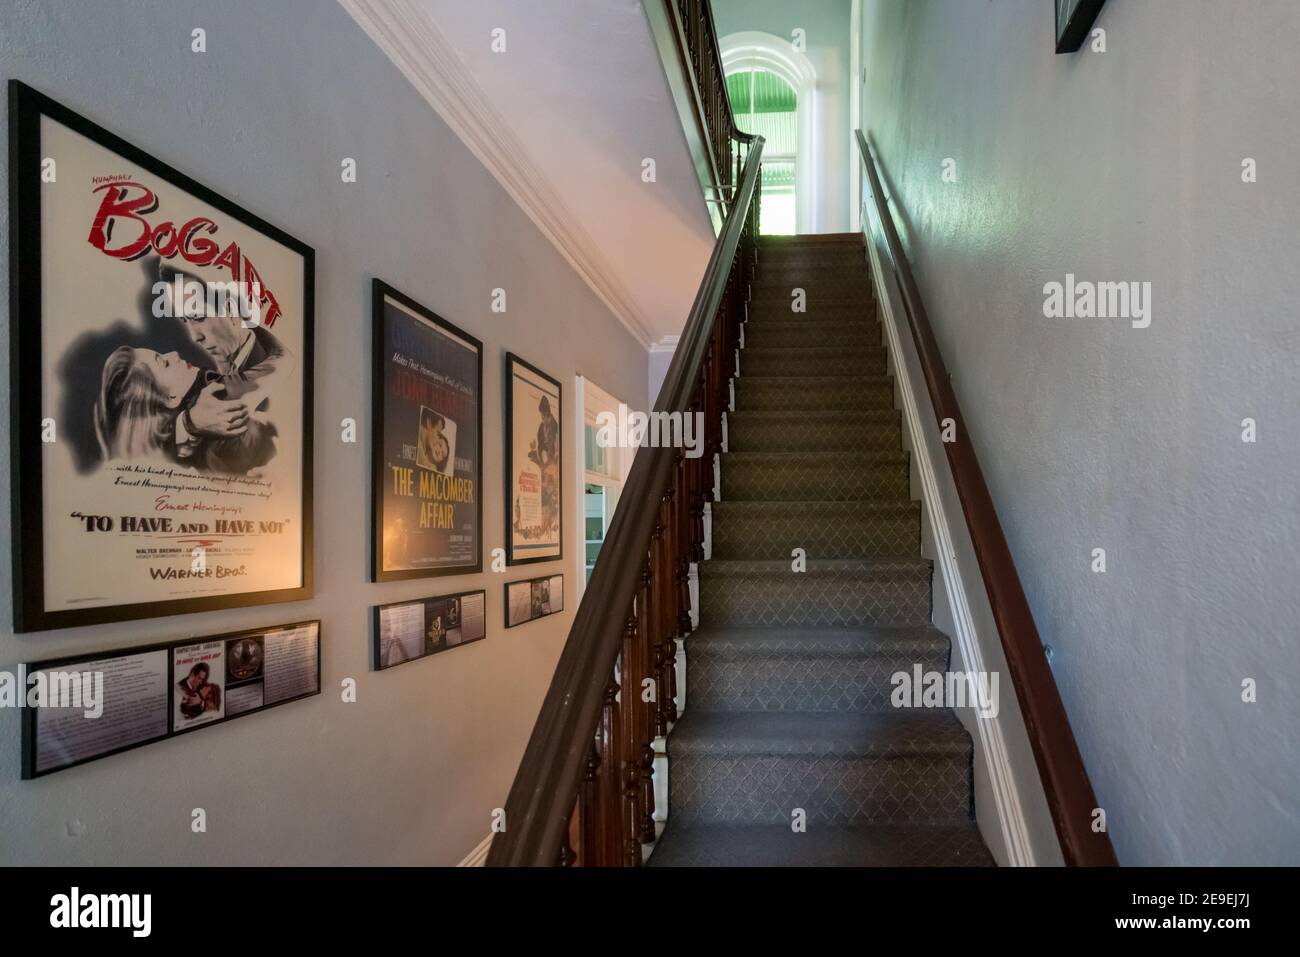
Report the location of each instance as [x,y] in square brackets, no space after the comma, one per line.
[815,294]
[812,481]
[814,600]
[793,436]
[787,334]
[831,790]
[799,682]
[835,394]
[806,362]
[799,272]
[827,312]
[842,536]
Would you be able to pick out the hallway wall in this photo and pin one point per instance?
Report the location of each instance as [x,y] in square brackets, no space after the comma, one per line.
[410,773]
[826,26]
[1126,166]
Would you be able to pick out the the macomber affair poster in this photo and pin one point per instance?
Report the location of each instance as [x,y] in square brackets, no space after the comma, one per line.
[431,445]
[176,467]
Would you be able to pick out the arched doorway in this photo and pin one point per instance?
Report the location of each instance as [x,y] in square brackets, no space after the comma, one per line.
[765,104]
[775,91]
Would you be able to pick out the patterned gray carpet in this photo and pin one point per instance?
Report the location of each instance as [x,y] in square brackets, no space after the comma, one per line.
[789,752]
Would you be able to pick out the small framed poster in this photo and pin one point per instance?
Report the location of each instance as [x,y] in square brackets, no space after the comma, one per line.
[533,598]
[161,428]
[427,435]
[534,464]
[1074,19]
[407,630]
[86,707]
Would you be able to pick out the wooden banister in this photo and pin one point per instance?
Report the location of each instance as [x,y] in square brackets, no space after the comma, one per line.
[1065,781]
[590,752]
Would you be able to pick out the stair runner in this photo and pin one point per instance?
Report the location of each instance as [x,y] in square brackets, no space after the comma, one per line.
[788,676]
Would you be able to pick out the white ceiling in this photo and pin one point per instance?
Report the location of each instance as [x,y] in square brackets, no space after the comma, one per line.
[564,118]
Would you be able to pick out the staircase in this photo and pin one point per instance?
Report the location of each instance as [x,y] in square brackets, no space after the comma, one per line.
[788,680]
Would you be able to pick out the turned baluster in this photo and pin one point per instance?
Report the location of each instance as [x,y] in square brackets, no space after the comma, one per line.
[630,748]
[647,704]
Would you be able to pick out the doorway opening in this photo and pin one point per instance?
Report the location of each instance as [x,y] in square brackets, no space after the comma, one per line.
[767,105]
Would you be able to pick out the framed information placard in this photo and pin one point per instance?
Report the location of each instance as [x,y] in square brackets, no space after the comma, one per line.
[84,707]
[408,630]
[427,434]
[533,598]
[161,426]
[534,464]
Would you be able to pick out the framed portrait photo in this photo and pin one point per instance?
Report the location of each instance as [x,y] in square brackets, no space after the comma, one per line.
[534,446]
[427,434]
[161,424]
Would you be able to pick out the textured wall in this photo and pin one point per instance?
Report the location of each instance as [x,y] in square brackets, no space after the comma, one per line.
[410,773]
[826,26]
[1126,165]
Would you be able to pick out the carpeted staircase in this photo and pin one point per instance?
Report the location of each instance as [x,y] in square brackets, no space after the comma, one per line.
[788,675]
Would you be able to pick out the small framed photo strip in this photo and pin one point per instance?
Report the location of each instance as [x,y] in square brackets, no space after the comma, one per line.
[533,598]
[534,464]
[409,630]
[91,706]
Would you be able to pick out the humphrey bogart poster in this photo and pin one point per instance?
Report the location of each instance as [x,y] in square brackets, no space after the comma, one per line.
[164,390]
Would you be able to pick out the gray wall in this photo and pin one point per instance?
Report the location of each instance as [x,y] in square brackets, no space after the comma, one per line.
[826,23]
[1126,165]
[411,772]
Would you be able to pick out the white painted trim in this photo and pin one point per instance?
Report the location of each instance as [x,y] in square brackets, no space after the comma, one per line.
[478,856]
[666,344]
[405,31]
[1011,818]
[855,113]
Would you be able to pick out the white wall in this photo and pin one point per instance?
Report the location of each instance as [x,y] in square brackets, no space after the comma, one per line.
[411,772]
[1126,165]
[826,26]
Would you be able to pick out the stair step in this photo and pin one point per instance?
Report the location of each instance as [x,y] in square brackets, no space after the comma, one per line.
[757,767]
[769,308]
[822,476]
[806,669]
[796,268]
[814,431]
[831,592]
[815,393]
[881,845]
[802,332]
[812,361]
[818,290]
[822,529]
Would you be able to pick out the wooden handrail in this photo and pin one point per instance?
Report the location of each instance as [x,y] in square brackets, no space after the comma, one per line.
[590,750]
[1065,781]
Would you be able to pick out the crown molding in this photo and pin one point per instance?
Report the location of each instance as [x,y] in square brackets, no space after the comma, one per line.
[665,344]
[405,31]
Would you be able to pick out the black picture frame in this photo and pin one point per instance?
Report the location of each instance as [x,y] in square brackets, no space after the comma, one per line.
[380,291]
[534,614]
[29,729]
[513,360]
[26,108]
[377,611]
[1074,19]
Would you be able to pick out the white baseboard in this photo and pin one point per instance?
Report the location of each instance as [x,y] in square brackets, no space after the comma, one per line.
[992,743]
[478,856]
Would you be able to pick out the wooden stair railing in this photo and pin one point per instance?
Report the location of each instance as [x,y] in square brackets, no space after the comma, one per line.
[584,792]
[1069,793]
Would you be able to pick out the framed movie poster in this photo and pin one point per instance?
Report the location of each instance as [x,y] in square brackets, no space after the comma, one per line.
[427,434]
[534,464]
[161,427]
[407,630]
[534,598]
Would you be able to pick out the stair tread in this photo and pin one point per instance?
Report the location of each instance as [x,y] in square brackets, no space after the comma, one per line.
[871,734]
[882,457]
[878,845]
[781,566]
[863,641]
[803,415]
[901,506]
